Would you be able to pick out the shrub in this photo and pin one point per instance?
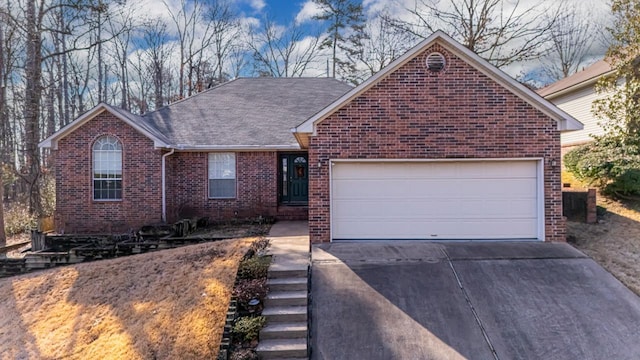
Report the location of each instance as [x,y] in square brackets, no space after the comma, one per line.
[254,268]
[248,328]
[612,167]
[244,354]
[260,245]
[18,220]
[249,289]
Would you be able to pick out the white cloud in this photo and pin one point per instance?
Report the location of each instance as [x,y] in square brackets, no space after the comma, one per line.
[257,5]
[308,11]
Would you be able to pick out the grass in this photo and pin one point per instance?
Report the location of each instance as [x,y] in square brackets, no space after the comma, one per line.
[163,305]
[614,242]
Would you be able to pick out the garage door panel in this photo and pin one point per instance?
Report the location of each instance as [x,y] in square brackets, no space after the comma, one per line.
[456,200]
[392,188]
[435,230]
[437,209]
[431,188]
[503,188]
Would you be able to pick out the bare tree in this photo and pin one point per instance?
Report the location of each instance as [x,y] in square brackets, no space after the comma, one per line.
[226,31]
[280,52]
[121,28]
[31,21]
[381,44]
[194,37]
[570,40]
[157,51]
[501,31]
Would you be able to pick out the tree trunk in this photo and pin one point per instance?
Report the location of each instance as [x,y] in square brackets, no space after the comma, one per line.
[100,74]
[3,237]
[32,96]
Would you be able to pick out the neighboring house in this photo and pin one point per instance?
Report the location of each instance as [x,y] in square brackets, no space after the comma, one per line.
[438,145]
[575,95]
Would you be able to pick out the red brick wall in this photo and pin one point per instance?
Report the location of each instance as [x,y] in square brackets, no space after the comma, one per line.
[256,189]
[76,211]
[417,114]
[141,204]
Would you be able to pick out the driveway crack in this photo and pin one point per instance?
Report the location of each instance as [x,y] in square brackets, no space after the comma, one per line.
[473,309]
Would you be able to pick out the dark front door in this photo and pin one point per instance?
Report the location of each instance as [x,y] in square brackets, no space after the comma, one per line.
[294,179]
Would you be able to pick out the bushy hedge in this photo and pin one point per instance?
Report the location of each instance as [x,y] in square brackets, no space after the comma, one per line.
[614,168]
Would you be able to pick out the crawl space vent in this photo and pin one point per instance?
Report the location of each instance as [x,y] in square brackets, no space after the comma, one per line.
[435,62]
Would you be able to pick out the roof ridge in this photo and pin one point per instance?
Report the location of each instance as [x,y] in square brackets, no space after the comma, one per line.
[190,97]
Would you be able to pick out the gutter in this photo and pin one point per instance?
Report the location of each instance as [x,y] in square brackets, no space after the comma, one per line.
[577,86]
[164,185]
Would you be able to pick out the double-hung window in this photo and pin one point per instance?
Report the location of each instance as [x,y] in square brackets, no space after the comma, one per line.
[107,169]
[222,175]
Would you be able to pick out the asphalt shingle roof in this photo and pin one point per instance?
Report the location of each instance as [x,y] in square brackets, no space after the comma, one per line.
[245,112]
[594,71]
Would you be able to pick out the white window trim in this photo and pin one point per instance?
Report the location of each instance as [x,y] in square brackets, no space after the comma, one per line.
[235,176]
[93,170]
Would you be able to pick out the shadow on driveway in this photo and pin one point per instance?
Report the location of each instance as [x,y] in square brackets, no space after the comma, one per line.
[416,300]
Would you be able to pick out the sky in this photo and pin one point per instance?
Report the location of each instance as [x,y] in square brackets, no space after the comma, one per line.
[301,12]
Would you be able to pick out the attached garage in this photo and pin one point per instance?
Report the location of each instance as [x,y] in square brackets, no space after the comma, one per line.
[437,200]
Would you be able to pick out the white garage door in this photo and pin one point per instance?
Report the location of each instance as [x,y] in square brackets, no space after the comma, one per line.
[435,200]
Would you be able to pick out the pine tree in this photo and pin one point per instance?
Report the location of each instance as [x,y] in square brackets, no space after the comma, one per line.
[345,31]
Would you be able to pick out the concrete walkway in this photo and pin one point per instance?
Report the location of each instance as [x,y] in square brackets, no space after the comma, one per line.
[286,306]
[289,245]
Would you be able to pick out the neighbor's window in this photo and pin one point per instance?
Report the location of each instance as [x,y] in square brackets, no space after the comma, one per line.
[107,169]
[222,175]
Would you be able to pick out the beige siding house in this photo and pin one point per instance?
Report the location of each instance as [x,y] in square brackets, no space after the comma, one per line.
[575,95]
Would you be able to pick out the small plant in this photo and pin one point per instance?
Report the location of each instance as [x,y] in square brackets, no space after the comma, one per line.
[18,220]
[260,245]
[244,354]
[248,328]
[254,268]
[249,289]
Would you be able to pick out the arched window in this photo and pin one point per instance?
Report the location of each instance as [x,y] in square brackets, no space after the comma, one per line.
[107,169]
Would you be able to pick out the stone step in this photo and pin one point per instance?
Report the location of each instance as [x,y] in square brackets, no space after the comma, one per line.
[278,272]
[288,284]
[282,348]
[286,298]
[291,330]
[276,314]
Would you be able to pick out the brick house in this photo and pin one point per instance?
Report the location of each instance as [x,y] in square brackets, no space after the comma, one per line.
[438,145]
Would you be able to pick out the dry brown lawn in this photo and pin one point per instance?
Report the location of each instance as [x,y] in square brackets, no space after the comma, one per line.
[168,304]
[614,242]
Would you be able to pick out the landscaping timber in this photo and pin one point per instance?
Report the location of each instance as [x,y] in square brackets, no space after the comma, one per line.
[49,250]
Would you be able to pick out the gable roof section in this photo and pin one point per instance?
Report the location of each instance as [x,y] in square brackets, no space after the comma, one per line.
[245,113]
[136,122]
[565,121]
[576,81]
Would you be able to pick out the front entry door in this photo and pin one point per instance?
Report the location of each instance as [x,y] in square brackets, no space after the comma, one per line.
[294,178]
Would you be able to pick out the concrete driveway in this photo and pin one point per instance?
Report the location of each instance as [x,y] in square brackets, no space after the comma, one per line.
[415,300]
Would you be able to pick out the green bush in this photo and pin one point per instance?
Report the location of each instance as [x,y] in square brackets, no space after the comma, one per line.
[628,183]
[248,328]
[18,220]
[254,268]
[612,167]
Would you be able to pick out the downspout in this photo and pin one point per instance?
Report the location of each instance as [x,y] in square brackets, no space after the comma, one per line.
[164,185]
